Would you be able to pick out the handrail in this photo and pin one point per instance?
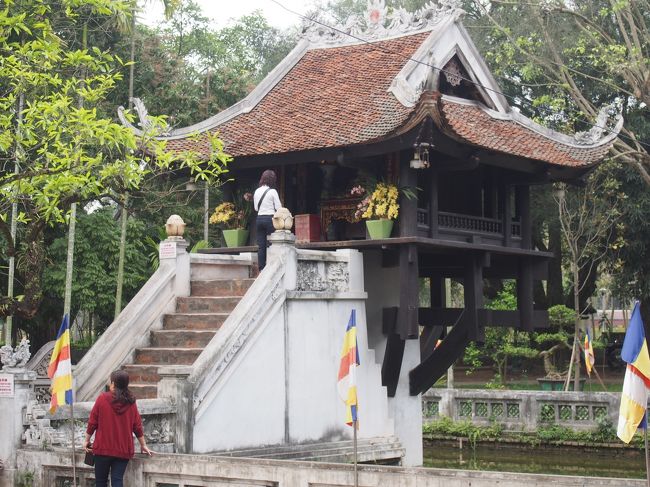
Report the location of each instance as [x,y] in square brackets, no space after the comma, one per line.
[133,323]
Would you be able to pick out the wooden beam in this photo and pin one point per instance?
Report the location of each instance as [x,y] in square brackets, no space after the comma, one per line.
[507,215]
[408,225]
[408,292]
[422,377]
[523,209]
[433,317]
[394,353]
[430,335]
[433,204]
[525,294]
[473,292]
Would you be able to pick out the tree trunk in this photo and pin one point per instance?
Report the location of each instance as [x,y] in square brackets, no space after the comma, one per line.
[576,303]
[555,291]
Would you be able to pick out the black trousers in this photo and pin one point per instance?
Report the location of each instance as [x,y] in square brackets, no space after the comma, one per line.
[105,465]
[265,228]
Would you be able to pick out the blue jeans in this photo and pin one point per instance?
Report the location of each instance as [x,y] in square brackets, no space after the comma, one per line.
[264,229]
[116,467]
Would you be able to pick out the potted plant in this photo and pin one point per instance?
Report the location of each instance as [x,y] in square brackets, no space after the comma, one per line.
[233,219]
[379,208]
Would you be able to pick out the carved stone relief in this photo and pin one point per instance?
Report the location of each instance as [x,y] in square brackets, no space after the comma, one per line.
[320,277]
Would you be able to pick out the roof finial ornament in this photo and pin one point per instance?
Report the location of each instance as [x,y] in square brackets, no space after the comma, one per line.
[378,23]
[593,135]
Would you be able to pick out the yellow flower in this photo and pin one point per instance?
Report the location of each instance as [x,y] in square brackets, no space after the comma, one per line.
[383,202]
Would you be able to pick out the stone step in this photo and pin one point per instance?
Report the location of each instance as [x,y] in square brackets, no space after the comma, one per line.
[365,452]
[195,304]
[181,338]
[166,356]
[194,321]
[306,449]
[142,373]
[144,391]
[221,287]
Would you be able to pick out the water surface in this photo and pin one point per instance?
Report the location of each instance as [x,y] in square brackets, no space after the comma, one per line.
[545,460]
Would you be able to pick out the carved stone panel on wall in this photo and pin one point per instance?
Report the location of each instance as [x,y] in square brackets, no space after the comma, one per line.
[323,276]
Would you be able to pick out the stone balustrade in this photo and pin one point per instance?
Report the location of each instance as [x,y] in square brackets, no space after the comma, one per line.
[522,410]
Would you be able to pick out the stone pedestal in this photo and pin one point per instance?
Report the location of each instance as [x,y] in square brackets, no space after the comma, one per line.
[11,421]
[174,385]
[173,252]
[283,248]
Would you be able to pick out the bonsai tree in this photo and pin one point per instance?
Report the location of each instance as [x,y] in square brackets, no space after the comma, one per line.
[560,318]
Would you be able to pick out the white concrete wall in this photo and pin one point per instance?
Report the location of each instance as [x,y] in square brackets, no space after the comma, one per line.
[382,286]
[249,407]
[315,337]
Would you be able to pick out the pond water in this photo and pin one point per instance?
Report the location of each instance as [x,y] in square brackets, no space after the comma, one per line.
[546,460]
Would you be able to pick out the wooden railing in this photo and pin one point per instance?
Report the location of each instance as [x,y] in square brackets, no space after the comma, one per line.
[466,223]
[456,221]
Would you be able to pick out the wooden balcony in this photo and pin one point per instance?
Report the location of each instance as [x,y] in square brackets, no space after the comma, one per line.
[457,226]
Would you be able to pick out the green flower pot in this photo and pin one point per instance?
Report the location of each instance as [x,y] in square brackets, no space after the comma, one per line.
[235,238]
[378,229]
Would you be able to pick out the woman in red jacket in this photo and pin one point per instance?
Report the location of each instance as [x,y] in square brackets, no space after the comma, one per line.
[114,419]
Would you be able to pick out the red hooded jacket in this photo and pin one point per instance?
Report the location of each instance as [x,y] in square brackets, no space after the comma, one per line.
[114,424]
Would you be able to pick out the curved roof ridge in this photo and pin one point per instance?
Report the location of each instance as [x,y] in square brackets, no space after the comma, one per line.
[517,117]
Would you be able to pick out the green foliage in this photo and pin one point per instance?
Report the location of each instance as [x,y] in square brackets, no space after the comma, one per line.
[95,264]
[24,478]
[500,342]
[463,429]
[604,432]
[560,317]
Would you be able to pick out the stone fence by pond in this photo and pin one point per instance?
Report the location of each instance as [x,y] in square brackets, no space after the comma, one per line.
[522,410]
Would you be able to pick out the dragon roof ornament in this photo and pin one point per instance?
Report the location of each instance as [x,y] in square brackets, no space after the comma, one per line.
[378,22]
[600,129]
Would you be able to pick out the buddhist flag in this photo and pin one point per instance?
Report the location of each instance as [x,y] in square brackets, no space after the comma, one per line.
[634,397]
[347,379]
[589,353]
[60,368]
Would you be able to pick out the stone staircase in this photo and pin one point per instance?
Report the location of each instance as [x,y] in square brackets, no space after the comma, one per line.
[186,332]
[386,449]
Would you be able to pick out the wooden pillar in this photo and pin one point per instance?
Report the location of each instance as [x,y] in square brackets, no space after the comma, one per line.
[525,293]
[432,333]
[473,291]
[408,292]
[523,209]
[433,204]
[408,225]
[507,215]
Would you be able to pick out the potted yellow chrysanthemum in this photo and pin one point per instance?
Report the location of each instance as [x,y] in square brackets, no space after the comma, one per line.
[233,220]
[379,209]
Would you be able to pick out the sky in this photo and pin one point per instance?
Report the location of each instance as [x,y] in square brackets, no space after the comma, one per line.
[221,11]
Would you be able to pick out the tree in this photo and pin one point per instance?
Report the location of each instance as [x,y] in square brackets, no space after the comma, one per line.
[587,225]
[65,153]
[568,60]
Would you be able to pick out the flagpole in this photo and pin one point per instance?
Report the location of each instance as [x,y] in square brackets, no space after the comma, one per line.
[74,463]
[356,471]
[647,457]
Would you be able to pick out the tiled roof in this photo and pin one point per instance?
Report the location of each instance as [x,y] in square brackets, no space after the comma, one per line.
[474,125]
[332,97]
[338,96]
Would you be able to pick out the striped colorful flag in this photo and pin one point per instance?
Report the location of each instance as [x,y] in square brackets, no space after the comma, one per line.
[60,368]
[347,379]
[634,397]
[590,359]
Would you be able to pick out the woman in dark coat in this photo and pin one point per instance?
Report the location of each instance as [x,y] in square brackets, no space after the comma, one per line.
[114,419]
